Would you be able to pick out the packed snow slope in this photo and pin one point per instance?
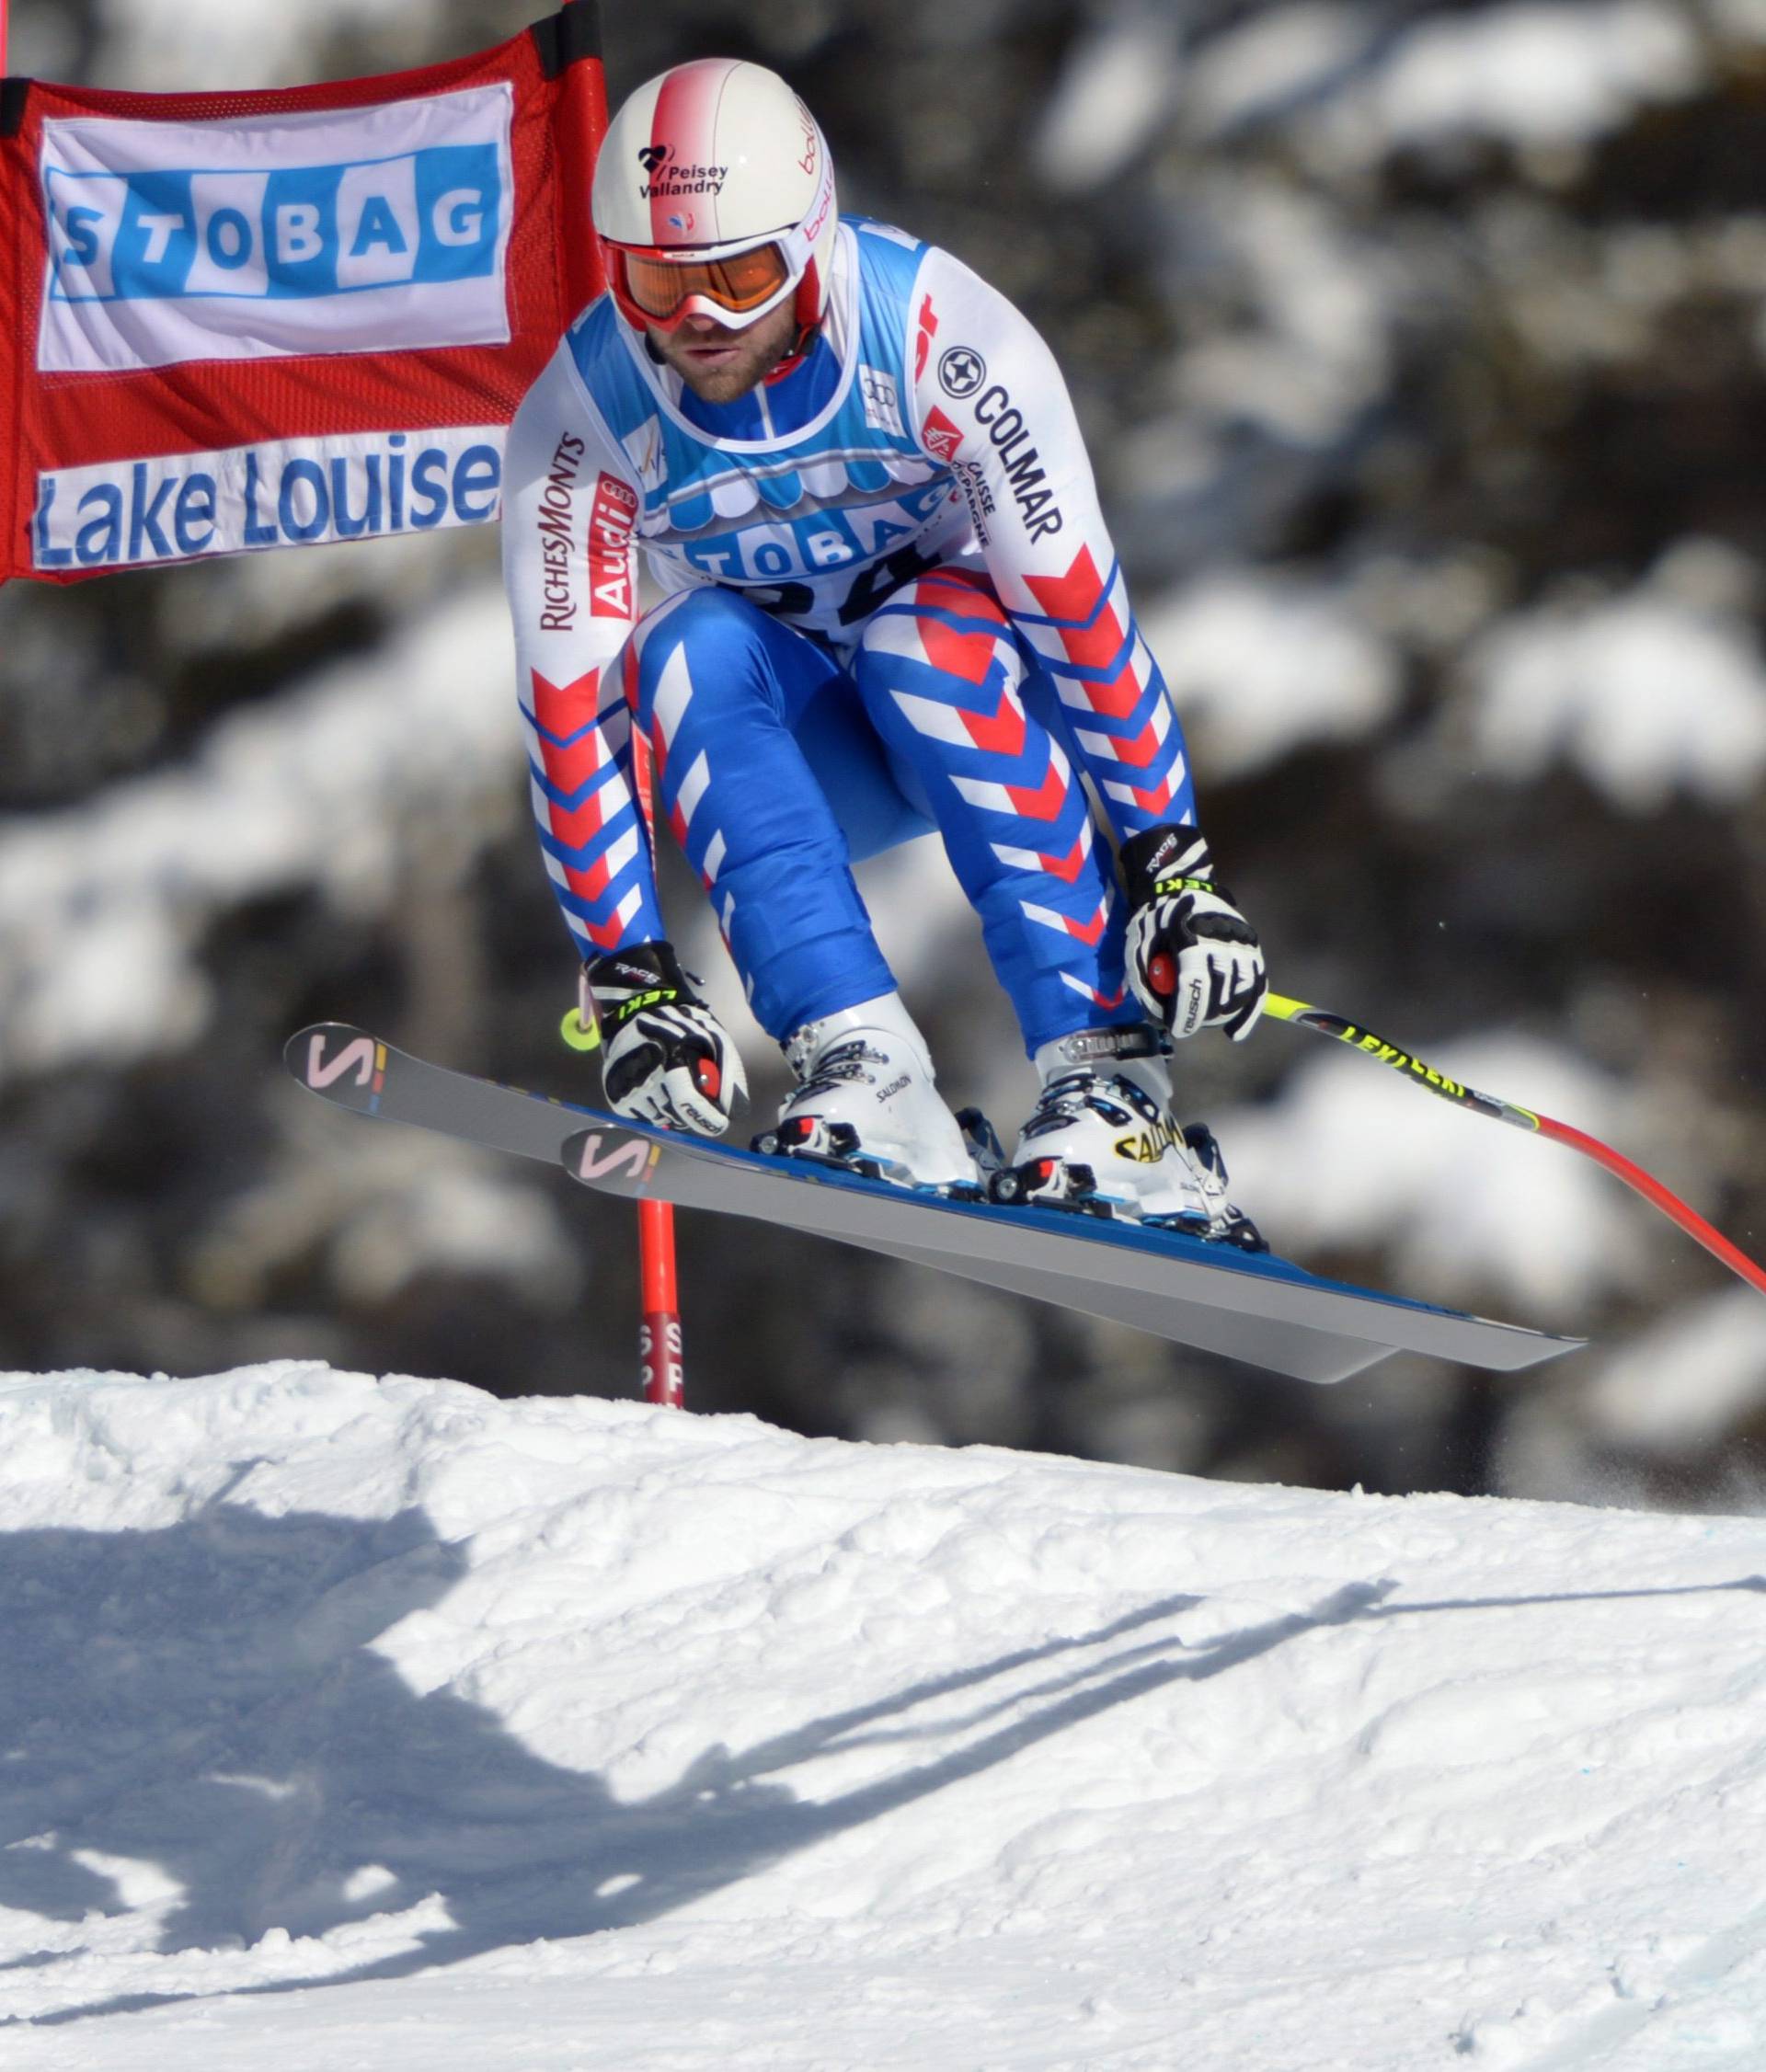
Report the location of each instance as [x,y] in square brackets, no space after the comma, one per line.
[371,1723]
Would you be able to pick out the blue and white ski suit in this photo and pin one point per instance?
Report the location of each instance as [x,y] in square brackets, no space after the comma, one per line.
[891,605]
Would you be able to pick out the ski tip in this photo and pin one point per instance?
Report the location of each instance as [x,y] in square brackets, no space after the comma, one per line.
[295,1049]
[342,1064]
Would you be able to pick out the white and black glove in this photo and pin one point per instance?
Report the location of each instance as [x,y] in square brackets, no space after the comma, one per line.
[664,1057]
[1194,960]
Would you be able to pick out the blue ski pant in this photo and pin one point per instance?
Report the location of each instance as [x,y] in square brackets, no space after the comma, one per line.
[777,767]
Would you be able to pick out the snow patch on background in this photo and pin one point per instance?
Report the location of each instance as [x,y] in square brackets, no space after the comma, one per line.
[1266,67]
[191,46]
[1259,666]
[1535,73]
[1687,1382]
[103,908]
[1529,75]
[1635,1418]
[1114,89]
[1657,692]
[1350,1160]
[382,1208]
[1324,298]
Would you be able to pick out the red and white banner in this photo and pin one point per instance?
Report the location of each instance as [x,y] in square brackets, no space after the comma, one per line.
[238,321]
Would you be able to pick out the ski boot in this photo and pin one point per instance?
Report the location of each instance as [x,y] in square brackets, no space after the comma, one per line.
[865,1101]
[1102,1141]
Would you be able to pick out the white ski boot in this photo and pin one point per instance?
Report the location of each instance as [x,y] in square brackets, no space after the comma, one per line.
[1101,1139]
[865,1100]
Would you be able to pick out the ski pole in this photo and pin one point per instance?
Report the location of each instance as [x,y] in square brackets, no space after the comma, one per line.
[661,1372]
[1163,973]
[661,1368]
[1410,1067]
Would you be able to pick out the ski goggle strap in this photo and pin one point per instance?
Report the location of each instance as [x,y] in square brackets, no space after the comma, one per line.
[740,282]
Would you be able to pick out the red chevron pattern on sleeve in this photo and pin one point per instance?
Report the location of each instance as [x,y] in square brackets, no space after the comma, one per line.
[590,834]
[568,558]
[990,403]
[1120,712]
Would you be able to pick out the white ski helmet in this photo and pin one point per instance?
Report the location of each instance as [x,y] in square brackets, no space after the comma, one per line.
[715,196]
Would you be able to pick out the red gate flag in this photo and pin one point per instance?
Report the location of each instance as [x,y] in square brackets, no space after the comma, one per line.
[236,321]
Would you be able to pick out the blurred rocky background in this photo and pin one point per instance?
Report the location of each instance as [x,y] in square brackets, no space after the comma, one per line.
[1423,352]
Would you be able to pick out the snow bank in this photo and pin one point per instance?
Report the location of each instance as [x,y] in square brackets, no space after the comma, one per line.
[561,1733]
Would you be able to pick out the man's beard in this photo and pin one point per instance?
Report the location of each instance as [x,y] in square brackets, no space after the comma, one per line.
[728,381]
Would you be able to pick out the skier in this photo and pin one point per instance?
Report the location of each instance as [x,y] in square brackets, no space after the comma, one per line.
[890,605]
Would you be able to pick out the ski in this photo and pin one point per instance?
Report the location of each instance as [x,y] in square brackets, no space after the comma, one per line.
[1252,1307]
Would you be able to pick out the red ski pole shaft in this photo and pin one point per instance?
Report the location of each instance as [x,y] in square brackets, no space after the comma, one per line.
[1413,1069]
[660,1367]
[659,1337]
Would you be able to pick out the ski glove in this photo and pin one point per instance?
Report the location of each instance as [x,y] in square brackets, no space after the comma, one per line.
[1194,960]
[665,1057]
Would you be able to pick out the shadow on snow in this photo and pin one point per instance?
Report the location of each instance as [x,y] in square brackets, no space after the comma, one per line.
[205,1698]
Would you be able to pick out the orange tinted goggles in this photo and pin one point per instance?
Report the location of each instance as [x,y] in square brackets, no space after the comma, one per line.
[740,282]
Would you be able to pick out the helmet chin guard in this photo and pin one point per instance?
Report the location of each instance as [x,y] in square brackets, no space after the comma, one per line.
[704,164]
